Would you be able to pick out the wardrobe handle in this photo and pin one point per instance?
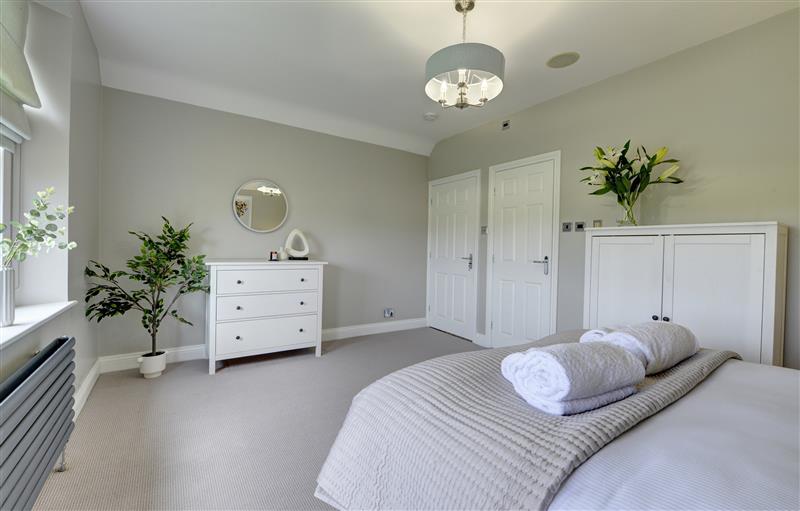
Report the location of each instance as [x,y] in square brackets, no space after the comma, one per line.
[665,318]
[301,329]
[238,337]
[302,303]
[302,279]
[238,281]
[238,307]
[655,318]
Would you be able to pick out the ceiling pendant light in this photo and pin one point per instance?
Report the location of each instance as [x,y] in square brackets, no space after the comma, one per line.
[465,74]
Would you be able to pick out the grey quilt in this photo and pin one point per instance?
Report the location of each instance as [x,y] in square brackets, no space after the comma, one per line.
[450,433]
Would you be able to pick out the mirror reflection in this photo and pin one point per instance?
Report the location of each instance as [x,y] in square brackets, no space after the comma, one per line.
[260,205]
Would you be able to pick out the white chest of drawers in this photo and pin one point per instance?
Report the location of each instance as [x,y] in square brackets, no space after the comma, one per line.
[257,307]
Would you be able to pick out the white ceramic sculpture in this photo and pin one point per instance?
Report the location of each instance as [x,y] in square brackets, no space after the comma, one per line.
[290,240]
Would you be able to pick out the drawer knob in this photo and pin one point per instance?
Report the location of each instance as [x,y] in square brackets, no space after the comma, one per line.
[302,279]
[665,318]
[238,307]
[238,337]
[655,318]
[302,303]
[301,329]
[239,282]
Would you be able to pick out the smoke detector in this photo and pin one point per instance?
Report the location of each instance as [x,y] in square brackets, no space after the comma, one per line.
[430,116]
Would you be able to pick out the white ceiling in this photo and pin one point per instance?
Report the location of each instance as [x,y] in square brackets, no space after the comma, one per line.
[356,69]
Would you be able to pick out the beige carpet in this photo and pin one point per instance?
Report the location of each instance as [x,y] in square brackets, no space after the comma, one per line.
[253,436]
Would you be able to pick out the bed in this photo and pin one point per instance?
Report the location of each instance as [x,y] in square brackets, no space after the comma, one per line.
[449,433]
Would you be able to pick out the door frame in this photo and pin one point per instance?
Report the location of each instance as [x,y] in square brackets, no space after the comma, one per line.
[476,258]
[493,171]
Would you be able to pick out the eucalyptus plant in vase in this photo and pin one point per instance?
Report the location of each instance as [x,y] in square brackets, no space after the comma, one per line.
[628,176]
[155,279]
[43,230]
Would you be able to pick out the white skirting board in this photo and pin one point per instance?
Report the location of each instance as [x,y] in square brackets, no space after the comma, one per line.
[346,332]
[126,361]
[82,393]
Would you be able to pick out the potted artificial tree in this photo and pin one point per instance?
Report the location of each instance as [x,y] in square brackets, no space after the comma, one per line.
[43,229]
[161,266]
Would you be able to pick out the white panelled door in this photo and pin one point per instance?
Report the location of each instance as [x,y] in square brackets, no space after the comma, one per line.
[453,247]
[523,252]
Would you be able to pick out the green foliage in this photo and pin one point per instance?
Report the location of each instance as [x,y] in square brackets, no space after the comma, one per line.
[43,230]
[162,264]
[628,176]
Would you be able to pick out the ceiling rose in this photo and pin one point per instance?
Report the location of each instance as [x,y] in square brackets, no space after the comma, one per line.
[465,74]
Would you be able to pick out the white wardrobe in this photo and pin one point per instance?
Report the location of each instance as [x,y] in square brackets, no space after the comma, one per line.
[726,282]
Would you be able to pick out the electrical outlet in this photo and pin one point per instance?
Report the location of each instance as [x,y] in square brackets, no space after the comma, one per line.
[388,313]
[566,226]
[580,226]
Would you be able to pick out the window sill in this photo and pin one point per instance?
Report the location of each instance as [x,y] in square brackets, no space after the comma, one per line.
[31,317]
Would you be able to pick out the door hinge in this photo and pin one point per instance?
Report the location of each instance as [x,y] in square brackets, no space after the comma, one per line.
[491,325]
[492,257]
[429,308]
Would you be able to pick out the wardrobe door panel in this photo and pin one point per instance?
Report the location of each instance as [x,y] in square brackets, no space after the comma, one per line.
[625,280]
[714,284]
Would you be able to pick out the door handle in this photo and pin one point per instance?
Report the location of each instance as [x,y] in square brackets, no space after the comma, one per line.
[546,263]
[469,266]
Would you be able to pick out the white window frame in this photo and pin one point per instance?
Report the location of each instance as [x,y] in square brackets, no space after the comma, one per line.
[14,208]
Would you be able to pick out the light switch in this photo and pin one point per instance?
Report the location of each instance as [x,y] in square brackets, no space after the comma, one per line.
[579,226]
[566,226]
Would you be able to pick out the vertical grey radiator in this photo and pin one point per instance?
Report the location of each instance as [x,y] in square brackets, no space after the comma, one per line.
[35,422]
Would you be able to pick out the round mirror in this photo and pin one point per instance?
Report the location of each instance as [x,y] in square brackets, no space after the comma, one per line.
[260,205]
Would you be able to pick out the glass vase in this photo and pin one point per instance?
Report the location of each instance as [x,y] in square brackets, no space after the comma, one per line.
[7,297]
[629,217]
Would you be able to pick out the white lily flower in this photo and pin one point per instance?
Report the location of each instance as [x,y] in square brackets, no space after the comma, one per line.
[660,154]
[668,172]
[598,178]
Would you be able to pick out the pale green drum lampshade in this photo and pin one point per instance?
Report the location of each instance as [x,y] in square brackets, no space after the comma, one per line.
[465,74]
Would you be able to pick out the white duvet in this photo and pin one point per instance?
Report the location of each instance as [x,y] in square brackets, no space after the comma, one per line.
[731,443]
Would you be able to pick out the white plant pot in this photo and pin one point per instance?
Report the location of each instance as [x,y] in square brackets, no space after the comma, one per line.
[151,366]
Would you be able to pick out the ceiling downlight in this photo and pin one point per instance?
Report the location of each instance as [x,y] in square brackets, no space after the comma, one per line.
[563,60]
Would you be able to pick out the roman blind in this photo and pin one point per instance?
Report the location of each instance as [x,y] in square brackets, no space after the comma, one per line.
[16,83]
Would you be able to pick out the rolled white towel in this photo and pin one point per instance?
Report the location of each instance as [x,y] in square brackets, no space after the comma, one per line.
[595,334]
[566,372]
[583,404]
[660,345]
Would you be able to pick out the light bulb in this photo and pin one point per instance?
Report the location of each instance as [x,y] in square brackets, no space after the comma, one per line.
[484,87]
[443,90]
[462,76]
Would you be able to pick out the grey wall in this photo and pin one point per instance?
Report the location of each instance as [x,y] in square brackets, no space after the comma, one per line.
[65,153]
[727,108]
[362,206]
